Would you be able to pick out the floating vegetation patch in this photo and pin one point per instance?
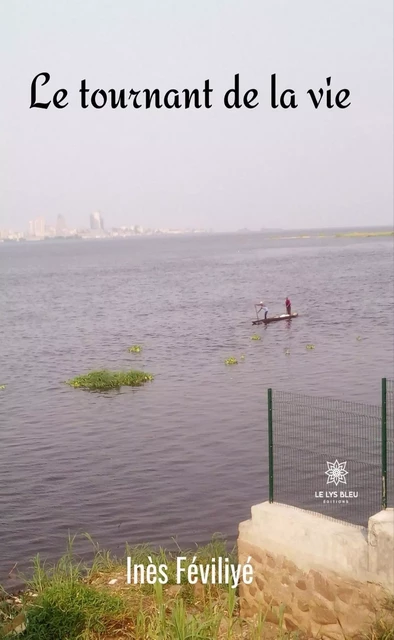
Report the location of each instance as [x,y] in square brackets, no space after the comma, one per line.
[351,234]
[287,352]
[310,346]
[136,348]
[364,234]
[231,361]
[255,337]
[104,380]
[359,338]
[2,386]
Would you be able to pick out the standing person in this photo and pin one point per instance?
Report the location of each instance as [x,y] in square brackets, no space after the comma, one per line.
[265,309]
[288,305]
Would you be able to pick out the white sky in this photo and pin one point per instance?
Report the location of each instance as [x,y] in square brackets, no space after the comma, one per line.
[216,168]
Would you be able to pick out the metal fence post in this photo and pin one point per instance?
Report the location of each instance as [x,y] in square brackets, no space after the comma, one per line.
[270,448]
[384,443]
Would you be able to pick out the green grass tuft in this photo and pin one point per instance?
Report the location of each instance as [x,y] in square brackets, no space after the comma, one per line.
[104,380]
[68,610]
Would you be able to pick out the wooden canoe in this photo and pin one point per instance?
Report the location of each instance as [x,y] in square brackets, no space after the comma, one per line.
[284,316]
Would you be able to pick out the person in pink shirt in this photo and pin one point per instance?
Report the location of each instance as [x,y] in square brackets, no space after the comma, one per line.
[288,305]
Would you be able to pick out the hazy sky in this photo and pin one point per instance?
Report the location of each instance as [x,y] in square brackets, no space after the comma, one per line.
[216,168]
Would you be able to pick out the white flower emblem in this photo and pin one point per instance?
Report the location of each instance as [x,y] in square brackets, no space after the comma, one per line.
[336,472]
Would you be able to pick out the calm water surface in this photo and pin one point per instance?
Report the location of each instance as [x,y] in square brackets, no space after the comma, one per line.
[185,456]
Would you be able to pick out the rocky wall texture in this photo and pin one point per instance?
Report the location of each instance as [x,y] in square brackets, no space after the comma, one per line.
[321,603]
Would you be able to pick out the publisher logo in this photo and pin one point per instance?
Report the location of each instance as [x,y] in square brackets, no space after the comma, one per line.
[336,472]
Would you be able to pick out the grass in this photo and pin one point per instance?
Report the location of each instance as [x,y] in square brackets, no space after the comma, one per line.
[70,609]
[104,380]
[384,626]
[136,348]
[72,600]
[76,600]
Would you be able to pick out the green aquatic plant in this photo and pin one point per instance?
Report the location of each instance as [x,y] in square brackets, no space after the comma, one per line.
[104,380]
[231,361]
[255,337]
[136,348]
[2,386]
[310,346]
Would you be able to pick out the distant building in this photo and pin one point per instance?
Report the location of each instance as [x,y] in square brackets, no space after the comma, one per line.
[37,227]
[96,221]
[61,227]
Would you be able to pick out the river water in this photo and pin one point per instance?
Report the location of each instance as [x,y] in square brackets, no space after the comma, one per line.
[186,455]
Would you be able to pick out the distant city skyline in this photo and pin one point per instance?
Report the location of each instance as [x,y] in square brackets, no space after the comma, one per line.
[39,228]
[94,223]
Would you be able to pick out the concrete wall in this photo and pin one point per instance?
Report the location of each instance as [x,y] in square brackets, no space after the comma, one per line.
[328,577]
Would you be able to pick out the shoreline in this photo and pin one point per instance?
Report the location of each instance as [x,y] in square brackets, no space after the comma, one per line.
[271,235]
[350,234]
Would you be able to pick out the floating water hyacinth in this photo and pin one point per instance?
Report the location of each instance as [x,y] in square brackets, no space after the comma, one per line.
[136,348]
[310,346]
[104,380]
[255,337]
[231,361]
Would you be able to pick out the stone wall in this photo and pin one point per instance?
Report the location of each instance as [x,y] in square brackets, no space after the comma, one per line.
[316,574]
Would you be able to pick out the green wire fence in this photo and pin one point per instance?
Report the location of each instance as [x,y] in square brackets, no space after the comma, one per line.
[388,443]
[331,456]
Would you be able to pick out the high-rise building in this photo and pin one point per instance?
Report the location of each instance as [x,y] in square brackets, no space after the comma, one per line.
[61,227]
[37,227]
[96,221]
